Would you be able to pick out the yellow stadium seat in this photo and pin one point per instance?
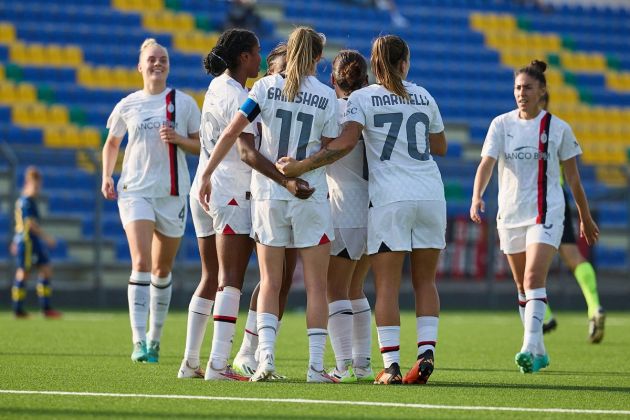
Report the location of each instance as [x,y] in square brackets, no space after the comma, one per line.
[90,137]
[36,53]
[7,33]
[17,52]
[58,114]
[72,56]
[25,92]
[7,93]
[184,22]
[103,77]
[54,55]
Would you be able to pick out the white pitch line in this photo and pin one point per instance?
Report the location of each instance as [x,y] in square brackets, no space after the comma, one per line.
[321,402]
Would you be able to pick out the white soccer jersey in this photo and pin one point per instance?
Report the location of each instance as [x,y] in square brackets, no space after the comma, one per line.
[152,168]
[291,129]
[529,154]
[396,133]
[232,177]
[348,185]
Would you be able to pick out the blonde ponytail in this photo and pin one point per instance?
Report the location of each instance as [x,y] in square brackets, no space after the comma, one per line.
[303,48]
[387,53]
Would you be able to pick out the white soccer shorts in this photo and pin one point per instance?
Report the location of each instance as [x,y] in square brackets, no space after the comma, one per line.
[291,223]
[202,221]
[232,219]
[168,213]
[407,225]
[516,240]
[349,243]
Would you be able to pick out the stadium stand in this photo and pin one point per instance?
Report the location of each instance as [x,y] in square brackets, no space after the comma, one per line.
[64,65]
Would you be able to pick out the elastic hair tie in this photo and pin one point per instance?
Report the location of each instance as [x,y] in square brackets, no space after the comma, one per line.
[220,58]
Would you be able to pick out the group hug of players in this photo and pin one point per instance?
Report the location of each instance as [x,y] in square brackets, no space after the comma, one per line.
[293,167]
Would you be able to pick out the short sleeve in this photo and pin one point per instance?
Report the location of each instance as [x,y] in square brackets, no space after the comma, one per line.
[116,123]
[27,208]
[194,117]
[331,125]
[436,125]
[569,146]
[354,110]
[494,140]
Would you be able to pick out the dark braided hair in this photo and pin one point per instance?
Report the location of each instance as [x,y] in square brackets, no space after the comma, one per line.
[231,44]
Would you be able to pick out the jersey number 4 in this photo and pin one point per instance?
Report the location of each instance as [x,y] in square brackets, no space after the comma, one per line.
[286,118]
[395,119]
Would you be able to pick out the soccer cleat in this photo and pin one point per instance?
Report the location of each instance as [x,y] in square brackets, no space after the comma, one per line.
[51,314]
[421,370]
[153,352]
[319,376]
[224,374]
[245,364]
[264,371]
[525,361]
[277,377]
[596,326]
[550,325]
[139,353]
[187,371]
[541,361]
[389,376]
[344,376]
[21,315]
[364,373]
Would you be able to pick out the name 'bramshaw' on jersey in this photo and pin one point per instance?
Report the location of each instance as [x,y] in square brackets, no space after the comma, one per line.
[301,97]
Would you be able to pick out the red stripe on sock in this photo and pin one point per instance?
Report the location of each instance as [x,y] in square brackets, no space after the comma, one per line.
[522,303]
[222,318]
[540,299]
[426,343]
[388,349]
[250,332]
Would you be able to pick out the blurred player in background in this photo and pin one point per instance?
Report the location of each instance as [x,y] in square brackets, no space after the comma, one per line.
[581,268]
[402,127]
[527,141]
[246,360]
[298,115]
[30,246]
[349,313]
[163,123]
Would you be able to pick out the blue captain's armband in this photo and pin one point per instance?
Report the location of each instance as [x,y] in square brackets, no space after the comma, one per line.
[250,109]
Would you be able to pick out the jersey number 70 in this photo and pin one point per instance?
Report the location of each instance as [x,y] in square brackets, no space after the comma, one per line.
[395,119]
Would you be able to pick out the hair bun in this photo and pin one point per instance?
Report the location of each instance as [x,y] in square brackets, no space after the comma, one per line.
[541,66]
[215,63]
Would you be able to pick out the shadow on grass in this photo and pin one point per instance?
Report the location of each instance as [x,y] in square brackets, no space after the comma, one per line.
[538,387]
[24,412]
[546,372]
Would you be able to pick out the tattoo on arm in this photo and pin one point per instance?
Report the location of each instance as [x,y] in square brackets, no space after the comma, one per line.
[326,156]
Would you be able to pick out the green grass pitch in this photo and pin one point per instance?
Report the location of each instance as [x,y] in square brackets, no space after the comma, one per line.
[89,352]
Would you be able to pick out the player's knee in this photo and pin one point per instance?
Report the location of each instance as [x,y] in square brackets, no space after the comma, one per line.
[162,271]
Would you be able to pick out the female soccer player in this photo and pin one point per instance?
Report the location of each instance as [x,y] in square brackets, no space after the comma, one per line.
[246,360]
[163,123]
[298,115]
[582,270]
[530,144]
[223,232]
[30,246]
[349,313]
[402,128]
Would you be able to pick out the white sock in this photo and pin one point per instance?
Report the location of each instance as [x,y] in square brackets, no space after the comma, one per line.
[225,315]
[427,333]
[267,325]
[534,317]
[250,336]
[316,347]
[161,291]
[389,342]
[138,298]
[361,332]
[340,330]
[199,311]
[522,300]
